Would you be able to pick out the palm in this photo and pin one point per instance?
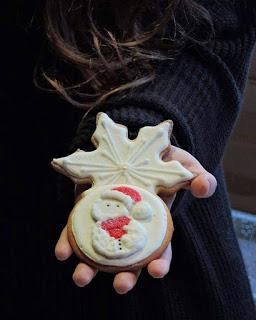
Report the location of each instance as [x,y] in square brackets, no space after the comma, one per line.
[202,186]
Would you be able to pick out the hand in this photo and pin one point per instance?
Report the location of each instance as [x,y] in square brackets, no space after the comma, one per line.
[202,186]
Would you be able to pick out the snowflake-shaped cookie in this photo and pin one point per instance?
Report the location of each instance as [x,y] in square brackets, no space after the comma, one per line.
[119,160]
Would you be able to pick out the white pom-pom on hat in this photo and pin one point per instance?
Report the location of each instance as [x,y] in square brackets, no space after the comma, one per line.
[140,210]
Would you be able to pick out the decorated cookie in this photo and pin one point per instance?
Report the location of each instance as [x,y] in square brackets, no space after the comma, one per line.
[120,223]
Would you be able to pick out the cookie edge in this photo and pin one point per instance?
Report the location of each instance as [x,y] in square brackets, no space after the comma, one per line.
[133,267]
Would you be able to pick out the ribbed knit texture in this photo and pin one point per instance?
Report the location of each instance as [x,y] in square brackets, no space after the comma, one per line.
[201,91]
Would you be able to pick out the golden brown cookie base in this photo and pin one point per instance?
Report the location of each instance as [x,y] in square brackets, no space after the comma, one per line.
[113,269]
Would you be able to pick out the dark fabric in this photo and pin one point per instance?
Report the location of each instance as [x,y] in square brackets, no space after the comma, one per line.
[201,91]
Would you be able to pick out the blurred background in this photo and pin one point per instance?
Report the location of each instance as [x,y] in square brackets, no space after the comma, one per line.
[240,157]
[240,172]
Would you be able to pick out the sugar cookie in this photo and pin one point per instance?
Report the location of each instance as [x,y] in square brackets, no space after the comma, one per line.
[120,223]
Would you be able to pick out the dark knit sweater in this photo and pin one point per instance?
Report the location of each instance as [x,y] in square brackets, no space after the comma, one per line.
[201,91]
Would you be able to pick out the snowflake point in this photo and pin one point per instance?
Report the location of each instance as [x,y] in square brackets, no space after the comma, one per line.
[117,158]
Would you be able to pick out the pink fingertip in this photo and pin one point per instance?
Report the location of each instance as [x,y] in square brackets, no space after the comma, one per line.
[158,269]
[82,276]
[126,284]
[205,188]
[62,253]
[213,186]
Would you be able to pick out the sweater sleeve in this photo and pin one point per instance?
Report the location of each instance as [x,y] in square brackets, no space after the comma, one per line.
[134,115]
[199,91]
[235,33]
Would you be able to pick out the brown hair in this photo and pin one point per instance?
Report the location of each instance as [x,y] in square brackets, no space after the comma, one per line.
[106,46]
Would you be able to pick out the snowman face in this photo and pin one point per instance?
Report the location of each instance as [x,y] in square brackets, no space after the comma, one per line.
[104,209]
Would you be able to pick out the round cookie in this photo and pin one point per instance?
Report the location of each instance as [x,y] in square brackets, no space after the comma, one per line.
[119,227]
[120,223]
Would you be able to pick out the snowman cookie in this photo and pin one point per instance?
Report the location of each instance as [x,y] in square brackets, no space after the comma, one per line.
[120,223]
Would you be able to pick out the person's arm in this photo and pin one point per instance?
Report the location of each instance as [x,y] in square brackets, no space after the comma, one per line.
[199,93]
[202,186]
[235,28]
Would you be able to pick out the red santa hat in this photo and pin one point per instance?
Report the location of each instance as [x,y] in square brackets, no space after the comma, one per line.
[126,195]
[132,199]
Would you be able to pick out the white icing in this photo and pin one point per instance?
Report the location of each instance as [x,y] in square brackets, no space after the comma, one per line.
[116,195]
[118,159]
[133,241]
[108,209]
[142,239]
[110,205]
[141,211]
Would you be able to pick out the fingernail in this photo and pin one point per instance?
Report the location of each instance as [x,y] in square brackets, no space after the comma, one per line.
[158,277]
[212,186]
[123,290]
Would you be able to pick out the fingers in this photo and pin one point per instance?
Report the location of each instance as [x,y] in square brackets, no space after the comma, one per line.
[125,281]
[63,249]
[160,267]
[83,274]
[204,185]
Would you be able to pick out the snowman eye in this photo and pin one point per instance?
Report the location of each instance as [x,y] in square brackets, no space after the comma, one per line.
[118,205]
[108,205]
